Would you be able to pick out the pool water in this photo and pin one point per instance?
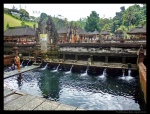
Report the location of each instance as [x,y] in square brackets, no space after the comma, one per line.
[101,92]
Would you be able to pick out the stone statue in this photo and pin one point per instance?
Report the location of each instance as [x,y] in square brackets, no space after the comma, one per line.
[51,30]
[68,32]
[43,27]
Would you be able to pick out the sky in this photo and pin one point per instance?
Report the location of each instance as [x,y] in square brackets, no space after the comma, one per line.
[72,12]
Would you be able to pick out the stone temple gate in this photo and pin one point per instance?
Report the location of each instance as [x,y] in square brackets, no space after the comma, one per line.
[47,33]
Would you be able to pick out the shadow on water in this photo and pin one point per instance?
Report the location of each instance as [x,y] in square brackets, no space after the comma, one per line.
[20,80]
[49,85]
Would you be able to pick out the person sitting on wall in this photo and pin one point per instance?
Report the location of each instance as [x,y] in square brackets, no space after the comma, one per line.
[17,62]
[8,69]
[13,67]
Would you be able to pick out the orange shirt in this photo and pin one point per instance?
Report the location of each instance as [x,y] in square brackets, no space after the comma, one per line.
[17,60]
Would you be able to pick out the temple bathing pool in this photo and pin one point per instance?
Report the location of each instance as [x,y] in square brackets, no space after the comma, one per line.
[81,90]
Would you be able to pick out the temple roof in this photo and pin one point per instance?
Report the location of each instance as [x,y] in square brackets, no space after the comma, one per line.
[95,32]
[63,30]
[137,30]
[104,33]
[20,31]
[81,31]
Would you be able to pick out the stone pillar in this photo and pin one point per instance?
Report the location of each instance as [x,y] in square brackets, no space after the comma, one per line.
[76,57]
[141,54]
[15,49]
[123,60]
[43,41]
[106,59]
[64,57]
[91,56]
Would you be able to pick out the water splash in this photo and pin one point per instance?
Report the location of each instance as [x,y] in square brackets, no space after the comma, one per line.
[21,63]
[123,76]
[68,72]
[56,69]
[127,78]
[104,74]
[44,67]
[28,62]
[85,74]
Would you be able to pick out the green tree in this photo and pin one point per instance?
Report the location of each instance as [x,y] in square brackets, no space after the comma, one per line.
[23,23]
[81,22]
[92,22]
[6,10]
[43,15]
[113,28]
[124,30]
[7,26]
[106,27]
[129,15]
[59,23]
[122,9]
[23,14]
[132,27]
[144,9]
[104,21]
[118,19]
[142,23]
[13,7]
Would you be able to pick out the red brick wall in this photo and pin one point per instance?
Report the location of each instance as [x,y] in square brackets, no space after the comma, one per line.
[8,59]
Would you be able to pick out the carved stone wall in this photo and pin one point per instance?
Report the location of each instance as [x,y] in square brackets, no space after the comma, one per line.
[142,76]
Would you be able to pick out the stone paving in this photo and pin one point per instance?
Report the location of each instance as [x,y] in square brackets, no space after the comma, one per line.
[14,72]
[15,100]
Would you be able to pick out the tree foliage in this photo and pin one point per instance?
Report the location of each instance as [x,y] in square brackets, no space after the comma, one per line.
[43,15]
[92,22]
[23,23]
[23,14]
[125,19]
[7,26]
[129,18]
[81,22]
[60,23]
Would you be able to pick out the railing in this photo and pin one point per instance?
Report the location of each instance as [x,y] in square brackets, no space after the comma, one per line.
[103,41]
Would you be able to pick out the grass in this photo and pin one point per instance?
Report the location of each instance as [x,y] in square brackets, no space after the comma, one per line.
[15,22]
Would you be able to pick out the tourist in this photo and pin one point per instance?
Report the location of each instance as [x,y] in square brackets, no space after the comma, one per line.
[8,69]
[17,62]
[13,67]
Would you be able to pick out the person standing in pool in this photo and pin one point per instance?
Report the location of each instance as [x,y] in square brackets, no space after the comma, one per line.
[17,62]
